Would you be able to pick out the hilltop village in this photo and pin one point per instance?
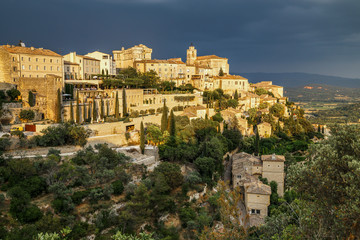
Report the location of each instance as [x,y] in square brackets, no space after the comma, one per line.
[128,99]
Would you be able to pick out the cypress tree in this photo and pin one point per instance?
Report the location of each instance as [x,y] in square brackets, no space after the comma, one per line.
[172,125]
[94,111]
[117,106]
[323,130]
[77,108]
[124,103]
[71,112]
[164,117]
[236,95]
[58,107]
[319,130]
[102,109]
[89,113]
[142,137]
[221,72]
[257,142]
[31,99]
[84,112]
[107,108]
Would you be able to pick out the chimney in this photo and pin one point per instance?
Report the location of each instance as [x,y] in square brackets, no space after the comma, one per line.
[273,157]
[32,48]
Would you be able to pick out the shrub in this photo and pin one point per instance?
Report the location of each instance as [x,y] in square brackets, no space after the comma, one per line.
[152,111]
[118,187]
[77,197]
[27,115]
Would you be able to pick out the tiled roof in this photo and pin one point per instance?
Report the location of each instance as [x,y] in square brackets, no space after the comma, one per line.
[30,50]
[70,63]
[273,157]
[266,124]
[258,188]
[209,57]
[230,77]
[169,61]
[89,58]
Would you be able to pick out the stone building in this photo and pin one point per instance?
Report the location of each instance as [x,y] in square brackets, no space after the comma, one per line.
[231,83]
[71,71]
[257,200]
[264,129]
[198,112]
[107,63]
[167,70]
[45,92]
[273,170]
[28,62]
[246,169]
[125,58]
[88,66]
[278,91]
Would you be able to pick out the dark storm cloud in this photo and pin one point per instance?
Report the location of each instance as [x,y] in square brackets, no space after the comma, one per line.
[319,36]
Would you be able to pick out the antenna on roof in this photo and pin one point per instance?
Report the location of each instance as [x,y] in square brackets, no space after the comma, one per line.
[21,44]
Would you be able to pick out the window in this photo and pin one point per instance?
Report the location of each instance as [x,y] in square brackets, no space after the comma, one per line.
[51,60]
[29,67]
[44,60]
[14,69]
[13,59]
[23,67]
[238,176]
[29,59]
[58,68]
[30,75]
[257,211]
[22,58]
[253,211]
[44,67]
[37,67]
[51,68]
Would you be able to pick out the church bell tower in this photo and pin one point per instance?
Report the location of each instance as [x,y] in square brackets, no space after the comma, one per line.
[191,55]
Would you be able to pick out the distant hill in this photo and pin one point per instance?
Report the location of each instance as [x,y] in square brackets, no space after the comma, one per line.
[322,93]
[301,79]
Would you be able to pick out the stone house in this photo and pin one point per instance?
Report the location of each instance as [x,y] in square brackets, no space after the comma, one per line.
[273,170]
[264,129]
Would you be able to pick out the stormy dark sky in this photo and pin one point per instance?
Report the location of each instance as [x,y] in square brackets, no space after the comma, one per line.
[313,36]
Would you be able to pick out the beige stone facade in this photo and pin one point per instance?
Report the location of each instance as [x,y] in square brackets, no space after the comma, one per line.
[278,91]
[273,170]
[125,58]
[71,71]
[264,129]
[107,63]
[45,92]
[88,66]
[167,70]
[257,200]
[28,62]
[198,112]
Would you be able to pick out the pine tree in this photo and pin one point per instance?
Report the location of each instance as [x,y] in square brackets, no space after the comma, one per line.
[58,107]
[94,111]
[84,112]
[172,126]
[221,72]
[236,95]
[164,117]
[117,106]
[102,109]
[31,99]
[142,138]
[124,103]
[77,108]
[71,112]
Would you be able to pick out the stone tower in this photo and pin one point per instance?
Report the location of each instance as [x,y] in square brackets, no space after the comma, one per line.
[191,55]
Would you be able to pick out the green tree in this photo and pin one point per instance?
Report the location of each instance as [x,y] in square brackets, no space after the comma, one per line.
[171,172]
[117,115]
[172,124]
[236,95]
[141,236]
[124,103]
[94,111]
[102,109]
[221,72]
[257,142]
[13,94]
[107,108]
[27,115]
[329,180]
[154,134]
[164,118]
[77,108]
[31,99]
[71,112]
[277,110]
[89,112]
[84,112]
[232,103]
[58,106]
[142,137]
